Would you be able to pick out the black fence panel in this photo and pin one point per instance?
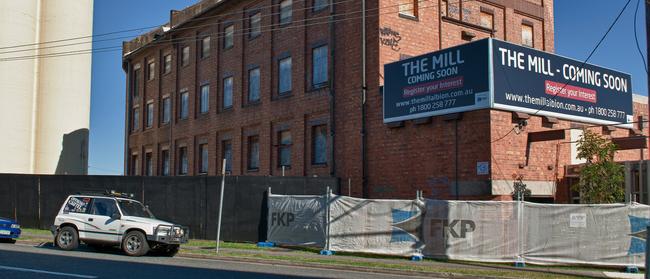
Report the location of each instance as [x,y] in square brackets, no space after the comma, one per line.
[192,201]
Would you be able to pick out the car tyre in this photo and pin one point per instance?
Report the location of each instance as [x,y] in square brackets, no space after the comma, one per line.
[67,238]
[7,240]
[135,244]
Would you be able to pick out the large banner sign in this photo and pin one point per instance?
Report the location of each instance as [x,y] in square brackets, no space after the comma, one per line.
[495,74]
[447,81]
[529,80]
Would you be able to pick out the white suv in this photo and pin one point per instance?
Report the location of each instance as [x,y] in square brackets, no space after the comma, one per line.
[114,219]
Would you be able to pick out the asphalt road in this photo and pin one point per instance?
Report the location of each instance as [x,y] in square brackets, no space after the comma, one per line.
[21,261]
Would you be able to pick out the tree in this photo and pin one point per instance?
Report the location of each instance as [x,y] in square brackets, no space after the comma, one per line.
[601,179]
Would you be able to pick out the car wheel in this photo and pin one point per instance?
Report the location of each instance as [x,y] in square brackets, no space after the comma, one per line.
[7,240]
[67,238]
[135,244]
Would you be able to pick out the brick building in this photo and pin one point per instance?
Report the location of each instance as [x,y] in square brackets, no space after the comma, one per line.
[278,86]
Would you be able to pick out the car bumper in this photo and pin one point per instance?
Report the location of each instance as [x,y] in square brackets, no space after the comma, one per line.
[9,233]
[170,238]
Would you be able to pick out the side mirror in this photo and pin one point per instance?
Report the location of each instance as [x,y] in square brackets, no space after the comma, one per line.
[116,216]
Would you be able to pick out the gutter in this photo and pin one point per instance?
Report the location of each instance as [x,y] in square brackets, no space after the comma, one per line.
[364,89]
[332,96]
[126,66]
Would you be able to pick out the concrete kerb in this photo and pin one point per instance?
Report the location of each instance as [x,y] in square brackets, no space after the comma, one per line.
[281,251]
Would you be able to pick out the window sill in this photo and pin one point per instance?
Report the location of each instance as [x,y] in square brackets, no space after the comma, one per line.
[253,170]
[226,109]
[284,95]
[319,10]
[252,104]
[409,17]
[253,37]
[319,166]
[285,24]
[319,87]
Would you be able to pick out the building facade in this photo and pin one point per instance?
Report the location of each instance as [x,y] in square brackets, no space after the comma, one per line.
[38,86]
[295,88]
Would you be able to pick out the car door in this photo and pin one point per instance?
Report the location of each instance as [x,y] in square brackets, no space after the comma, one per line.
[101,226]
[76,211]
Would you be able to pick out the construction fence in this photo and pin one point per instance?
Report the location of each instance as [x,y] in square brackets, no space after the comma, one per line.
[487,231]
[34,200]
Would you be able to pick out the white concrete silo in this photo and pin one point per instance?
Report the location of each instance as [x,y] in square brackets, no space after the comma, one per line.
[18,26]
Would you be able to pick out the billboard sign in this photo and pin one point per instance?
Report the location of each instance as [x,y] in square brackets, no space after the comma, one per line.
[537,82]
[494,74]
[442,82]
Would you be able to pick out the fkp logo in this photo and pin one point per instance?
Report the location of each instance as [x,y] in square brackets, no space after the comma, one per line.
[638,229]
[283,219]
[452,228]
[406,226]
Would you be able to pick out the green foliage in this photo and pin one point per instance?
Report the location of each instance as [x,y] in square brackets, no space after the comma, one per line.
[601,179]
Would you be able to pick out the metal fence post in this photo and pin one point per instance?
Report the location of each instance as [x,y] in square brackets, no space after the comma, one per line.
[223,185]
[327,251]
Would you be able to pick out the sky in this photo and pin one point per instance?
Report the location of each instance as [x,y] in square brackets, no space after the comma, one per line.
[579,25]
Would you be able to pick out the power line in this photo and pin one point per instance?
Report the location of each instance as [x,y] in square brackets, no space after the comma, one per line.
[176,29]
[636,38]
[581,65]
[270,28]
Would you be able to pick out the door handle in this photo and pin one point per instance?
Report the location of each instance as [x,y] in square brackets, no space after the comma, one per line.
[90,219]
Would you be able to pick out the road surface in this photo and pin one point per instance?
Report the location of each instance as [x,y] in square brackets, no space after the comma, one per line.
[23,261]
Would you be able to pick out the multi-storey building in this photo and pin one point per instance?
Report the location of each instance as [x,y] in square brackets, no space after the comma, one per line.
[295,88]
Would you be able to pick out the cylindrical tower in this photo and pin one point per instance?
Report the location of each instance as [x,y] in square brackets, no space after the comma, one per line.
[18,26]
[64,89]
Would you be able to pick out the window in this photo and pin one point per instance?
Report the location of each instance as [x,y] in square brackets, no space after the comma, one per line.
[185,56]
[148,164]
[149,123]
[487,20]
[527,35]
[167,110]
[229,38]
[255,25]
[151,70]
[319,66]
[135,165]
[182,160]
[184,110]
[204,98]
[284,148]
[226,147]
[285,76]
[78,205]
[253,153]
[319,145]
[136,83]
[409,8]
[286,11]
[103,207]
[203,163]
[168,64]
[227,92]
[205,47]
[136,119]
[320,5]
[165,162]
[254,85]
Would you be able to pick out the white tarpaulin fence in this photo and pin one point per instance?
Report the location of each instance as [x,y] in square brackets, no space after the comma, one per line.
[487,231]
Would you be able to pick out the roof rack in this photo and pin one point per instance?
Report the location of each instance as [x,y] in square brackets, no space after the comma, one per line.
[107,193]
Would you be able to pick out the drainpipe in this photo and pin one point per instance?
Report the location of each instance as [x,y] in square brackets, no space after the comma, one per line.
[332,98]
[127,114]
[364,89]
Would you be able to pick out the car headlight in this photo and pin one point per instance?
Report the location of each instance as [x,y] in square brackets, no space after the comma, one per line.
[178,232]
[15,226]
[163,231]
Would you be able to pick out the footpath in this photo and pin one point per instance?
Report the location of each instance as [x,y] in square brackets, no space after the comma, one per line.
[310,257]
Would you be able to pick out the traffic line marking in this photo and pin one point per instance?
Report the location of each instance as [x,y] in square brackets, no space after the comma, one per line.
[47,272]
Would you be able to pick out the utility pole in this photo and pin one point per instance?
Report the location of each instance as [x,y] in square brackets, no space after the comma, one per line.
[647,32]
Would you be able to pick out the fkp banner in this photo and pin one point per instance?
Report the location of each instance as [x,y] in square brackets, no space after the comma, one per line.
[494,74]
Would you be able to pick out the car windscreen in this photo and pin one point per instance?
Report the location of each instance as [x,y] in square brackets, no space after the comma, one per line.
[134,208]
